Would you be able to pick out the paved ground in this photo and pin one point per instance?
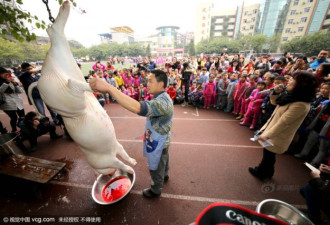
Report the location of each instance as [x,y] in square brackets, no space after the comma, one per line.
[209,157]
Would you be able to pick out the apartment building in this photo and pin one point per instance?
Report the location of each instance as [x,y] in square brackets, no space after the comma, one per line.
[304,17]
[223,24]
[249,19]
[326,19]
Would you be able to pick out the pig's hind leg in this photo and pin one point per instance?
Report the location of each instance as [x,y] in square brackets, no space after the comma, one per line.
[123,154]
[113,163]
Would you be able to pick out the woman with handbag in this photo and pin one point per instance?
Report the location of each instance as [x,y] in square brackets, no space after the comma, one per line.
[11,103]
[292,107]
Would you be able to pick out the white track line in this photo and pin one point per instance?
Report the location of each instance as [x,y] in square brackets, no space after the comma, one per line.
[196,144]
[194,119]
[178,197]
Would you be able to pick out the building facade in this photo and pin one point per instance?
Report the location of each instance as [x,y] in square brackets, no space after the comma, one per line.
[122,34]
[326,20]
[223,24]
[249,19]
[203,21]
[298,19]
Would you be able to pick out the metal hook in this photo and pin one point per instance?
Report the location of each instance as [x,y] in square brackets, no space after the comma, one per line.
[51,18]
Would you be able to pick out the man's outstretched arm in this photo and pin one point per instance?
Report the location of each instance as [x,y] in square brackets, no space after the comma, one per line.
[127,102]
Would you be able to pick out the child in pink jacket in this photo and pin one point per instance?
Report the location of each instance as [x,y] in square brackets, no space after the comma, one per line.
[209,92]
[255,101]
[238,92]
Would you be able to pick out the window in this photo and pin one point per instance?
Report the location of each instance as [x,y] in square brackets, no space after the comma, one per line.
[293,12]
[253,19]
[300,29]
[246,13]
[298,37]
[309,1]
[306,10]
[244,28]
[255,11]
[245,21]
[296,2]
[287,30]
[285,39]
[290,21]
[251,27]
[303,19]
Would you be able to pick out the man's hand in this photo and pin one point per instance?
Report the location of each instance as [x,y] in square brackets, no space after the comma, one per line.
[263,138]
[324,169]
[279,88]
[315,174]
[99,85]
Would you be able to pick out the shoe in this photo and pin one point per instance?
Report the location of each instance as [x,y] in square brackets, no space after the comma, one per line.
[257,174]
[56,136]
[252,127]
[300,156]
[184,104]
[243,124]
[239,117]
[149,194]
[166,178]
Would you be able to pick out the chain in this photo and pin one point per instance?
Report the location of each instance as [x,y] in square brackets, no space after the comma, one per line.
[49,13]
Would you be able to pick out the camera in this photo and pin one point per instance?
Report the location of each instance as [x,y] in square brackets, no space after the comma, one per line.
[44,120]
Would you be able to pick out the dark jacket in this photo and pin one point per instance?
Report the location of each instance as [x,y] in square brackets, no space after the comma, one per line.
[27,79]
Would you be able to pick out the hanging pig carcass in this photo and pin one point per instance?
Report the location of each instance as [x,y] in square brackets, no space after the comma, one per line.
[62,87]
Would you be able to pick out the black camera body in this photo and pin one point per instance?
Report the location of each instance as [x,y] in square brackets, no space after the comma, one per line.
[44,120]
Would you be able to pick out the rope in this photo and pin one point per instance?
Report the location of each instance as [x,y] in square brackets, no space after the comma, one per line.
[51,18]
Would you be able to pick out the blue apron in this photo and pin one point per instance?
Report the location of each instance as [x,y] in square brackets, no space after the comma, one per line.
[153,145]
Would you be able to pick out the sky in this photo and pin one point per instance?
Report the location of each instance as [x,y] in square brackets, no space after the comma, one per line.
[143,16]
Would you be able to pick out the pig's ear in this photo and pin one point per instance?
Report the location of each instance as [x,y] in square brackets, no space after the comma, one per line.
[78,86]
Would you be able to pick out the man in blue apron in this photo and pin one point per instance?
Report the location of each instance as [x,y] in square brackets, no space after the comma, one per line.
[159,114]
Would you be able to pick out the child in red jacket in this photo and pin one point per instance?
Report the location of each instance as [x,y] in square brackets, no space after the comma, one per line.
[171,92]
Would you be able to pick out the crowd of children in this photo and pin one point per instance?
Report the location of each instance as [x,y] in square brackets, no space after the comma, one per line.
[227,83]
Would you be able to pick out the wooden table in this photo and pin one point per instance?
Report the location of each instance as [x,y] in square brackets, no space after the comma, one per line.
[25,167]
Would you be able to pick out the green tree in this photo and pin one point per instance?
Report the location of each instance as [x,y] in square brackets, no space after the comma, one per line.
[202,47]
[191,48]
[148,50]
[258,41]
[310,44]
[13,21]
[274,42]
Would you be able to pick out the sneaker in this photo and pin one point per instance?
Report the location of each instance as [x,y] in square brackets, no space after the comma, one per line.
[252,127]
[147,193]
[184,104]
[243,124]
